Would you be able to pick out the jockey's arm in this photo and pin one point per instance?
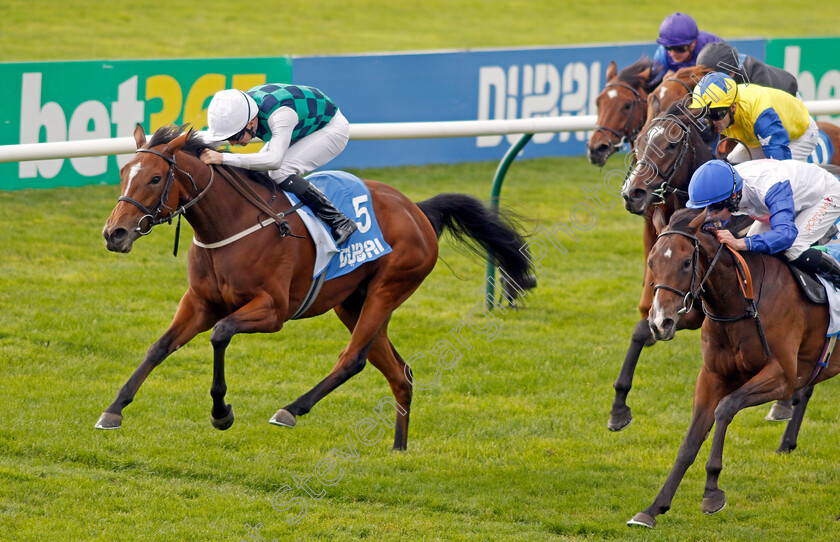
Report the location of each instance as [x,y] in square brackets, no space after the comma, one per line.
[281,123]
[783,230]
[772,134]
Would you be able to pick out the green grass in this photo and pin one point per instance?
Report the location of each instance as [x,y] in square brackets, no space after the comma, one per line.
[511,444]
[82,30]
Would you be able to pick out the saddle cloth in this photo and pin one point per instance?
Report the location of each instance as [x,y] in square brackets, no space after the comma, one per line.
[827,294]
[350,196]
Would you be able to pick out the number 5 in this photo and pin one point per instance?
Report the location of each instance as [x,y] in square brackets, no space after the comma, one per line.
[361,212]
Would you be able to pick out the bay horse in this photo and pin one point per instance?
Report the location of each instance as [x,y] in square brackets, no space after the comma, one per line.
[261,280]
[621,109]
[755,349]
[667,152]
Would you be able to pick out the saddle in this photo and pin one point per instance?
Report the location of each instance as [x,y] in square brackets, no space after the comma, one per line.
[811,288]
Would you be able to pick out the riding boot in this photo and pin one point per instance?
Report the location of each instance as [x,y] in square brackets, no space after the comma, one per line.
[341,226]
[817,261]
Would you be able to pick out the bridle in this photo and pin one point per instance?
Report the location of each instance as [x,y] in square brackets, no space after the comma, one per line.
[625,135]
[695,289]
[665,189]
[154,215]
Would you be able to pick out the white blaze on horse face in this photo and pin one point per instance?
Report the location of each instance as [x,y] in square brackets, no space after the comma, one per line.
[612,93]
[656,315]
[135,169]
[662,93]
[667,253]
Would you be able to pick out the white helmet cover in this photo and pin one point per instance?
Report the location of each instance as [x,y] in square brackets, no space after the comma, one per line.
[229,111]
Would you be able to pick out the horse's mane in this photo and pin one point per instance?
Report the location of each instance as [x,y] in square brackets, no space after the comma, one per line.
[196,144]
[681,219]
[632,74]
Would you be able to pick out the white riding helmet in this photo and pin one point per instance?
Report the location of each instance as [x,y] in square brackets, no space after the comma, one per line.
[229,111]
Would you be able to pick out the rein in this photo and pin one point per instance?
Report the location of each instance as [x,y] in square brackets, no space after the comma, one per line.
[625,135]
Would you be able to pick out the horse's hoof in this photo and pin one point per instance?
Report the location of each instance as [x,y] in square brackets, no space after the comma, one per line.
[109,421]
[619,420]
[714,503]
[779,413]
[642,520]
[225,421]
[283,417]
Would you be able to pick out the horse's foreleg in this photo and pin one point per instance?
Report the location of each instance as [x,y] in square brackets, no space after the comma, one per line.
[767,385]
[620,415]
[706,396]
[791,434]
[191,318]
[260,315]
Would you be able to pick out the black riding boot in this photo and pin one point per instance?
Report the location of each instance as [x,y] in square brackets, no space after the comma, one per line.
[817,261]
[341,226]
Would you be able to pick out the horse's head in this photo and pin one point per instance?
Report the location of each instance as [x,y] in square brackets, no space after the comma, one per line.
[621,110]
[677,264]
[150,193]
[666,152]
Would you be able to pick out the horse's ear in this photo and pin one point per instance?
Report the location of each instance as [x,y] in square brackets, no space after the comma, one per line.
[175,145]
[612,70]
[658,220]
[655,106]
[139,135]
[698,220]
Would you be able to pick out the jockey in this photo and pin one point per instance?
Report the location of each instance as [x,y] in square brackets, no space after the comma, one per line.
[302,130]
[794,204]
[722,57]
[679,44]
[770,122]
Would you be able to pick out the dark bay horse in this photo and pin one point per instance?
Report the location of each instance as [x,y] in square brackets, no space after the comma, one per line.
[260,281]
[667,152]
[622,109]
[747,360]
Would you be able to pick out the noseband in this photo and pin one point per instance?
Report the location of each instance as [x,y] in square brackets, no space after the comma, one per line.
[665,189]
[624,136]
[153,215]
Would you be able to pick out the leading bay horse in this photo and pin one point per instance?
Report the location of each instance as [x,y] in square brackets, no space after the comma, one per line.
[761,340]
[258,282]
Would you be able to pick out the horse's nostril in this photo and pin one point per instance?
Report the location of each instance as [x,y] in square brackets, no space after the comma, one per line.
[602,148]
[637,194]
[118,234]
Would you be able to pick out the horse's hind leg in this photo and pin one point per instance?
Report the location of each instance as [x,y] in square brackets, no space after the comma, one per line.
[385,357]
[382,298]
[191,318]
[791,434]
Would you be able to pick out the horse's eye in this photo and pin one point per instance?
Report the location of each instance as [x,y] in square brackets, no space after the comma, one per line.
[672,145]
[627,106]
[155,179]
[687,263]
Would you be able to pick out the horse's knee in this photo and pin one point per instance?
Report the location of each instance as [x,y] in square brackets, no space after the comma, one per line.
[222,333]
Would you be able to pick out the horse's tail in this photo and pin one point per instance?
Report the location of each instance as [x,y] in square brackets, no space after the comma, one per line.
[482,231]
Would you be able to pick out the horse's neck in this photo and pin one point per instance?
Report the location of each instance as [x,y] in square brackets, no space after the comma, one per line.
[222,211]
[723,295]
